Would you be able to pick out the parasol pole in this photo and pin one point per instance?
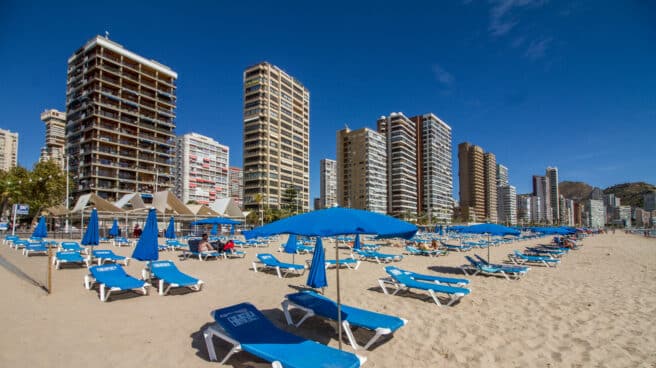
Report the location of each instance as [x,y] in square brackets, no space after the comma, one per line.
[339,300]
[488,247]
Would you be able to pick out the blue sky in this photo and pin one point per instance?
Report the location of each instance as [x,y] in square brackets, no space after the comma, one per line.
[538,83]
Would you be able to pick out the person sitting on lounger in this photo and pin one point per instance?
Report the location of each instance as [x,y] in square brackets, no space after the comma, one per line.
[229,245]
[204,244]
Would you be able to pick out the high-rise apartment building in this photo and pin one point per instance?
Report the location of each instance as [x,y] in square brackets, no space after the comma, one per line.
[120,131]
[276,137]
[490,182]
[201,169]
[595,213]
[536,209]
[649,201]
[55,142]
[524,209]
[8,149]
[569,211]
[554,194]
[541,189]
[471,172]
[507,204]
[401,139]
[434,168]
[328,183]
[362,170]
[502,175]
[236,185]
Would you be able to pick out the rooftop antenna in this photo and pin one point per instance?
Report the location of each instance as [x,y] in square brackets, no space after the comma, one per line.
[107,35]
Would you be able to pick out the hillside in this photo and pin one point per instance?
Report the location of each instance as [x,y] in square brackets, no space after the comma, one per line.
[630,193]
[576,190]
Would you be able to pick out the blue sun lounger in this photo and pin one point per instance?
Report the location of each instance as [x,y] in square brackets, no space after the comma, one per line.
[409,249]
[193,251]
[112,278]
[19,244]
[476,267]
[106,255]
[68,257]
[269,261]
[167,273]
[539,251]
[350,263]
[121,241]
[314,304]
[407,283]
[455,248]
[377,256]
[72,246]
[32,248]
[247,329]
[518,257]
[429,278]
[516,271]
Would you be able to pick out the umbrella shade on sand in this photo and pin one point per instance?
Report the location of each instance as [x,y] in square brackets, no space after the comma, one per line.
[337,221]
[41,230]
[91,236]
[115,230]
[317,275]
[170,230]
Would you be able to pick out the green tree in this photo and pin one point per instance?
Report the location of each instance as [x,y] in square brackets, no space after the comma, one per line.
[13,187]
[290,200]
[47,187]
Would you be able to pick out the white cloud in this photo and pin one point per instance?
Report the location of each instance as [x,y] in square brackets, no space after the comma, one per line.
[500,14]
[537,48]
[442,75]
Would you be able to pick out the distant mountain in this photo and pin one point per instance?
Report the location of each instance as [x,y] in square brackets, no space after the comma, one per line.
[630,193]
[576,190]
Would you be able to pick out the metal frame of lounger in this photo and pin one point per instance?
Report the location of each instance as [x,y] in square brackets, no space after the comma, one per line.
[504,268]
[378,257]
[278,268]
[203,256]
[379,332]
[119,242]
[475,270]
[145,273]
[76,247]
[89,281]
[454,297]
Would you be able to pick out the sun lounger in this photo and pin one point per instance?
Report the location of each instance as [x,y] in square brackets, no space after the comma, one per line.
[104,239]
[455,248]
[475,267]
[350,263]
[269,261]
[233,253]
[376,256]
[72,246]
[405,282]
[314,304]
[451,281]
[69,257]
[540,251]
[106,255]
[518,257]
[193,251]
[121,242]
[174,244]
[409,249]
[304,249]
[112,278]
[514,270]
[167,273]
[34,248]
[247,329]
[19,244]
[9,239]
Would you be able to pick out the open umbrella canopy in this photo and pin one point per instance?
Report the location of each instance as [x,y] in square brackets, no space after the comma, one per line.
[337,221]
[115,230]
[170,230]
[551,230]
[490,229]
[41,231]
[146,249]
[317,275]
[91,236]
[216,220]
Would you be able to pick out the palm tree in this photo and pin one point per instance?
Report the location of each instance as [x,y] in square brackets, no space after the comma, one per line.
[258,199]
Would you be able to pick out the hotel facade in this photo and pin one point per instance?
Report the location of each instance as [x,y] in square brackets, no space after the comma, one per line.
[120,129]
[276,137]
[328,183]
[8,149]
[55,142]
[201,169]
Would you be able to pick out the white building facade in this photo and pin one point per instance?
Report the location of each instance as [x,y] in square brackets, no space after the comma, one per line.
[8,149]
[328,188]
[201,169]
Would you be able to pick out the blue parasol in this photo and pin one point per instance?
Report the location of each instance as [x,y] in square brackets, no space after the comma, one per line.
[41,230]
[317,275]
[91,236]
[115,230]
[170,230]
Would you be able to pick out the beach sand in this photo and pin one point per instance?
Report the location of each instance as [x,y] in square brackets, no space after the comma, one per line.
[596,309]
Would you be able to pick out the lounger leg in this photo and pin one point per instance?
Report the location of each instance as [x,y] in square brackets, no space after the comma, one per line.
[349,334]
[454,298]
[161,287]
[435,299]
[103,298]
[382,286]
[278,271]
[504,275]
[254,267]
[208,334]
[464,270]
[379,332]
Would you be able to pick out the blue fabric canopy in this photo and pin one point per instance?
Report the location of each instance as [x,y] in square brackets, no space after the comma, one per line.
[170,230]
[41,230]
[337,221]
[91,236]
[115,230]
[146,249]
[216,220]
[551,230]
[215,229]
[291,245]
[491,229]
[317,275]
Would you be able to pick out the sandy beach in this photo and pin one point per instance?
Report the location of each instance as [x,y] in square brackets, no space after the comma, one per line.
[596,309]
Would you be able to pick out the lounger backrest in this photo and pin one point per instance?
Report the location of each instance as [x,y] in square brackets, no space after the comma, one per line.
[70,245]
[246,324]
[267,258]
[107,271]
[472,261]
[69,255]
[193,245]
[103,252]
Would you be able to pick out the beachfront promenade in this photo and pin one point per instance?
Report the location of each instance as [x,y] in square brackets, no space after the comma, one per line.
[596,308]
